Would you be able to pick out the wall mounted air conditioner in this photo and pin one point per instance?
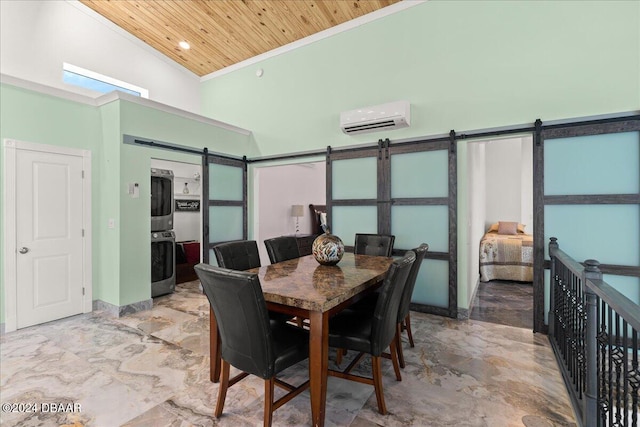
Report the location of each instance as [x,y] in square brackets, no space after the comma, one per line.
[393,115]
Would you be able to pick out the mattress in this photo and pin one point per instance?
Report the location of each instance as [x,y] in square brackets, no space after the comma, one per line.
[506,257]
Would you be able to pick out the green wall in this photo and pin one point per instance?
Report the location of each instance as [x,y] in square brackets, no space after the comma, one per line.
[33,117]
[106,240]
[121,256]
[135,162]
[462,65]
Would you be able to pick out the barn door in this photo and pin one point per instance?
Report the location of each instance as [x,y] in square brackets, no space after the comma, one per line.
[225,199]
[422,188]
[408,190]
[587,194]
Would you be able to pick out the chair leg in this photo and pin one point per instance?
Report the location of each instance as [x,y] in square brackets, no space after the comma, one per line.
[394,357]
[377,383]
[399,344]
[339,353]
[268,401]
[224,385]
[407,324]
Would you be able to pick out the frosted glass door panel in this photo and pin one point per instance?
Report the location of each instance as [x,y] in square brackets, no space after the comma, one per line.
[608,233]
[355,178]
[225,223]
[349,220]
[595,164]
[225,182]
[413,225]
[432,284]
[422,174]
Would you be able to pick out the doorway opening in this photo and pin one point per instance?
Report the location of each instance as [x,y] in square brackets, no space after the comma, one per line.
[500,180]
[187,222]
[277,189]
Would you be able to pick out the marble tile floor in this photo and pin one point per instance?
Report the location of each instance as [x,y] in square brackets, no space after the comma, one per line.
[151,369]
[505,303]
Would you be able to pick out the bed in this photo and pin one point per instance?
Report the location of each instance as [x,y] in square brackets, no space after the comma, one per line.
[506,253]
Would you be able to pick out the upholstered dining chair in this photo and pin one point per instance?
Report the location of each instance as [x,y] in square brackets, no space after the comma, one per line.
[242,255]
[374,244]
[371,333]
[237,255]
[282,248]
[251,342]
[404,316]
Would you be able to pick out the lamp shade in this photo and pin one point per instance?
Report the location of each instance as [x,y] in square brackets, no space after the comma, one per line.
[297,210]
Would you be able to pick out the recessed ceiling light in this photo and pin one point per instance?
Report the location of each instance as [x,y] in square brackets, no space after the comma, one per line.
[184,45]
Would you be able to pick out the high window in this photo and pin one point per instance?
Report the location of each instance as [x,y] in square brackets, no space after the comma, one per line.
[91,80]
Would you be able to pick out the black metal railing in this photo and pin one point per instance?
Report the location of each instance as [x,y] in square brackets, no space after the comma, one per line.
[593,330]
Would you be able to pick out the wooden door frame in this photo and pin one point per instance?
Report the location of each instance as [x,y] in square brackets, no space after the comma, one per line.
[10,147]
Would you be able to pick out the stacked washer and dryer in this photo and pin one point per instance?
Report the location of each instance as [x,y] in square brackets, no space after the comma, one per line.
[163,239]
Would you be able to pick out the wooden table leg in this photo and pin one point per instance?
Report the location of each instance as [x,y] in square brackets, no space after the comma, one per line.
[214,348]
[318,365]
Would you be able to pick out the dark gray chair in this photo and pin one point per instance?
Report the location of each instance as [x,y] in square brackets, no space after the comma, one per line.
[242,255]
[282,248]
[374,244]
[249,341]
[237,255]
[373,332]
[404,317]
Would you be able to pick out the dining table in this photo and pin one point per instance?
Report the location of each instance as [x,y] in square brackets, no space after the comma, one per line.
[303,288]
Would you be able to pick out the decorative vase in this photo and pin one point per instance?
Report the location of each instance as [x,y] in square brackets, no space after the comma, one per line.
[327,249]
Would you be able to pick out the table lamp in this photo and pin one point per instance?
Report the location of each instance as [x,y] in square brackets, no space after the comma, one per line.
[297,211]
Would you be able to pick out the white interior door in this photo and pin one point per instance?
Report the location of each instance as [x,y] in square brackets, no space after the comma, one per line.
[49,236]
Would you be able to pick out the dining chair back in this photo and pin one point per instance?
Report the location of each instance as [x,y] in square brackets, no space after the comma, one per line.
[373,332]
[282,248]
[249,341]
[237,255]
[374,244]
[386,311]
[242,255]
[404,317]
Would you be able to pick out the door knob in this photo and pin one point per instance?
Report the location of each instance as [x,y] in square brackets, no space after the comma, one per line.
[24,250]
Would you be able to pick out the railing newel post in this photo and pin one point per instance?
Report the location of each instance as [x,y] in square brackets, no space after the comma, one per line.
[553,246]
[591,272]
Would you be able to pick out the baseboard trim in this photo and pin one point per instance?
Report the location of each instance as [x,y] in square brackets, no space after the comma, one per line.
[122,310]
[463,314]
[473,296]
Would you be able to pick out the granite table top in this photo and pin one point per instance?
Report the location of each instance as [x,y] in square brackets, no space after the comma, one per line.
[304,283]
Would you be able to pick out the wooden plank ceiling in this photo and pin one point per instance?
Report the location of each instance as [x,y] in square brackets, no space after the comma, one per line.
[225,32]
